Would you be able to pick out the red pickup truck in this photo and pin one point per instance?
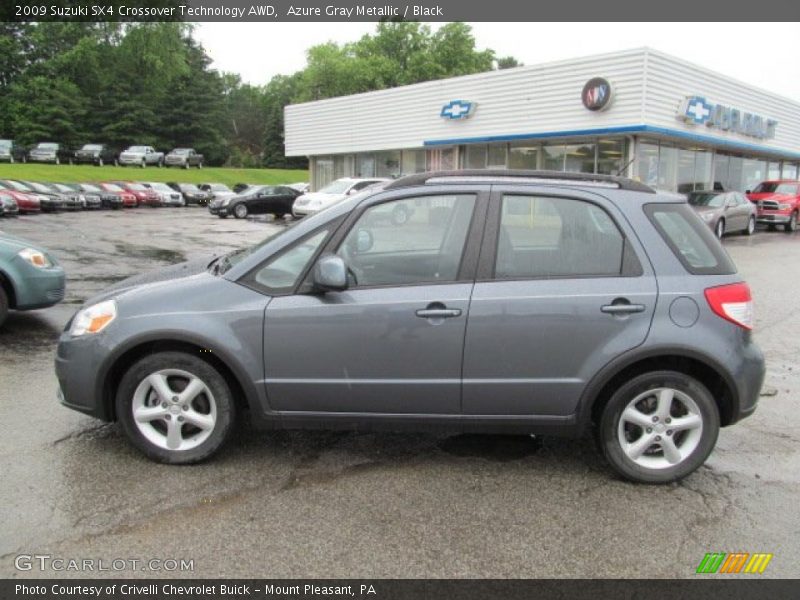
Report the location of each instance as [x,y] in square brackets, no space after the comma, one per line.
[778,203]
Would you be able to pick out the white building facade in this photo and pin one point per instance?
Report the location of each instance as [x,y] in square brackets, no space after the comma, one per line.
[641,113]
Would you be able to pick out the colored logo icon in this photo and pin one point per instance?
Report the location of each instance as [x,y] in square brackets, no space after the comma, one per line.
[734,563]
[458,109]
[597,94]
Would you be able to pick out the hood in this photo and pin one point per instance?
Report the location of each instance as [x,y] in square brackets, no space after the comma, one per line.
[17,243]
[706,209]
[771,196]
[311,196]
[151,278]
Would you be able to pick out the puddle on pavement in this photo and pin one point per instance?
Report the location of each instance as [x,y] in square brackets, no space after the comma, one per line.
[498,448]
[150,252]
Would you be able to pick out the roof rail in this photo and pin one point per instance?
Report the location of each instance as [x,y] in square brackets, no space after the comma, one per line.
[622,183]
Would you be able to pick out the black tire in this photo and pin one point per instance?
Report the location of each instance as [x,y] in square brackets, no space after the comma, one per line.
[791,226]
[186,165]
[240,210]
[771,227]
[196,366]
[751,226]
[3,306]
[719,229]
[607,430]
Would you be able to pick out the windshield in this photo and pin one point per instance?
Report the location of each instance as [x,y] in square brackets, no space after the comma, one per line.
[219,187]
[47,146]
[5,143]
[188,187]
[18,186]
[95,147]
[255,190]
[163,187]
[111,187]
[63,188]
[141,149]
[710,200]
[39,187]
[136,186]
[339,186]
[773,187]
[226,261]
[90,188]
[180,151]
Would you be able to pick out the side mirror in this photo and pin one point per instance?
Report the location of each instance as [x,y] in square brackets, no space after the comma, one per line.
[748,192]
[330,274]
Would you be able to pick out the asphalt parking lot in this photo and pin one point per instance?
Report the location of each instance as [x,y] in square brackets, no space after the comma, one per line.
[322,504]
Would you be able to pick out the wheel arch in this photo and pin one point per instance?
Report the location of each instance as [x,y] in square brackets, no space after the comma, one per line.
[703,368]
[8,287]
[244,394]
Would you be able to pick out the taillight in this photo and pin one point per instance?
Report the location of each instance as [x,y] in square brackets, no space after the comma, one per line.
[733,303]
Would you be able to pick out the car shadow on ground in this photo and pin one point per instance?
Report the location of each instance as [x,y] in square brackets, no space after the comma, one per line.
[26,333]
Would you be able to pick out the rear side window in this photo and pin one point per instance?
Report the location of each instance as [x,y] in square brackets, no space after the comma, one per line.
[690,239]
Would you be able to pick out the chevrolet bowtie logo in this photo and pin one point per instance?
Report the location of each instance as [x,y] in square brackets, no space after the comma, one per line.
[458,109]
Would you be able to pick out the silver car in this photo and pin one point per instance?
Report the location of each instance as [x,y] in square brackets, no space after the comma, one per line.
[508,301]
[725,212]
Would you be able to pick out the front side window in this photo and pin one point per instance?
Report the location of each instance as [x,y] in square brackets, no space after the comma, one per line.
[283,272]
[409,241]
[544,237]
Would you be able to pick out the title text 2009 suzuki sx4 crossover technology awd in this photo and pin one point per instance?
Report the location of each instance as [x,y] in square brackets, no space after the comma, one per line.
[513,301]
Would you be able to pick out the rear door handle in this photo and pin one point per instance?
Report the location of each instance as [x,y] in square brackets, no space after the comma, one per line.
[437,310]
[622,308]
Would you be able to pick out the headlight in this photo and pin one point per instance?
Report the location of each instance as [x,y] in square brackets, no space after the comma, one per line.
[36,258]
[94,318]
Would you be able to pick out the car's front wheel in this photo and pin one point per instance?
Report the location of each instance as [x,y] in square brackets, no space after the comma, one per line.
[240,211]
[791,226]
[719,230]
[175,407]
[751,226]
[659,427]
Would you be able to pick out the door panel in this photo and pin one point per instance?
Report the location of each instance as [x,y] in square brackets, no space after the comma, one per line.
[366,351]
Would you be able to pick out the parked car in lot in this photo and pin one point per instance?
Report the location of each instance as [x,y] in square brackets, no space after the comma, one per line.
[108,199]
[778,203]
[50,152]
[96,154]
[169,197]
[27,203]
[301,187]
[191,193]
[239,188]
[313,202]
[141,156]
[30,277]
[724,212]
[8,206]
[511,301]
[64,200]
[47,203]
[12,152]
[256,200]
[88,200]
[217,190]
[184,157]
[144,195]
[129,199]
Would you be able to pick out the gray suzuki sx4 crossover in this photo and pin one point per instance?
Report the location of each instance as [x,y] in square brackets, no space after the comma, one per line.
[480,301]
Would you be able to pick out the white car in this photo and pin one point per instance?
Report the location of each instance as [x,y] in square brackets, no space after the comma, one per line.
[313,202]
[169,197]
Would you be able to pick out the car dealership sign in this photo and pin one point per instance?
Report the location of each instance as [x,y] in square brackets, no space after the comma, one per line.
[458,109]
[696,110]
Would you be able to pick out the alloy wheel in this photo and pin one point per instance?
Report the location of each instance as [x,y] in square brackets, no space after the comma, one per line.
[174,409]
[660,428]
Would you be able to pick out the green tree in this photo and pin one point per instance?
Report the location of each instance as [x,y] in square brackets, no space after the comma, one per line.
[46,110]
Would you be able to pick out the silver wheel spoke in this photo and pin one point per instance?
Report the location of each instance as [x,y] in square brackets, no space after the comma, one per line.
[665,397]
[192,390]
[671,452]
[145,414]
[690,421]
[159,383]
[199,420]
[637,448]
[635,416]
[174,436]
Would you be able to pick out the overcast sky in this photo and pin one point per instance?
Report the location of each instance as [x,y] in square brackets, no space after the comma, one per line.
[761,54]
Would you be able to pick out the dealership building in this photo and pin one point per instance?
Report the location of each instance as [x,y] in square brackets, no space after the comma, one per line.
[641,113]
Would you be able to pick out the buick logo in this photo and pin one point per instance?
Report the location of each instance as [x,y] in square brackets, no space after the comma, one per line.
[597,94]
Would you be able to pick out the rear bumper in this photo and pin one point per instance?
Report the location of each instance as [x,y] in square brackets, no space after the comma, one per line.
[748,375]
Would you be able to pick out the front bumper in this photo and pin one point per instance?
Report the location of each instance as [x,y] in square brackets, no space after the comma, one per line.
[78,370]
[40,288]
[130,160]
[42,159]
[87,159]
[773,217]
[219,210]
[304,211]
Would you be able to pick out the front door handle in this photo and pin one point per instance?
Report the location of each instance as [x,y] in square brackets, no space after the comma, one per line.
[437,310]
[622,306]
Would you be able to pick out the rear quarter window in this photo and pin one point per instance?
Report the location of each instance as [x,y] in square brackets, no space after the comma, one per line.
[690,240]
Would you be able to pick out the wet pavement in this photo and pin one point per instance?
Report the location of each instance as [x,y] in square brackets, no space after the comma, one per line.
[324,504]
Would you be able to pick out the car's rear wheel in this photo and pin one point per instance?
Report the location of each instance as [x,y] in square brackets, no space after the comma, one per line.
[791,226]
[3,306]
[751,226]
[144,163]
[175,407]
[719,230]
[659,427]
[240,211]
